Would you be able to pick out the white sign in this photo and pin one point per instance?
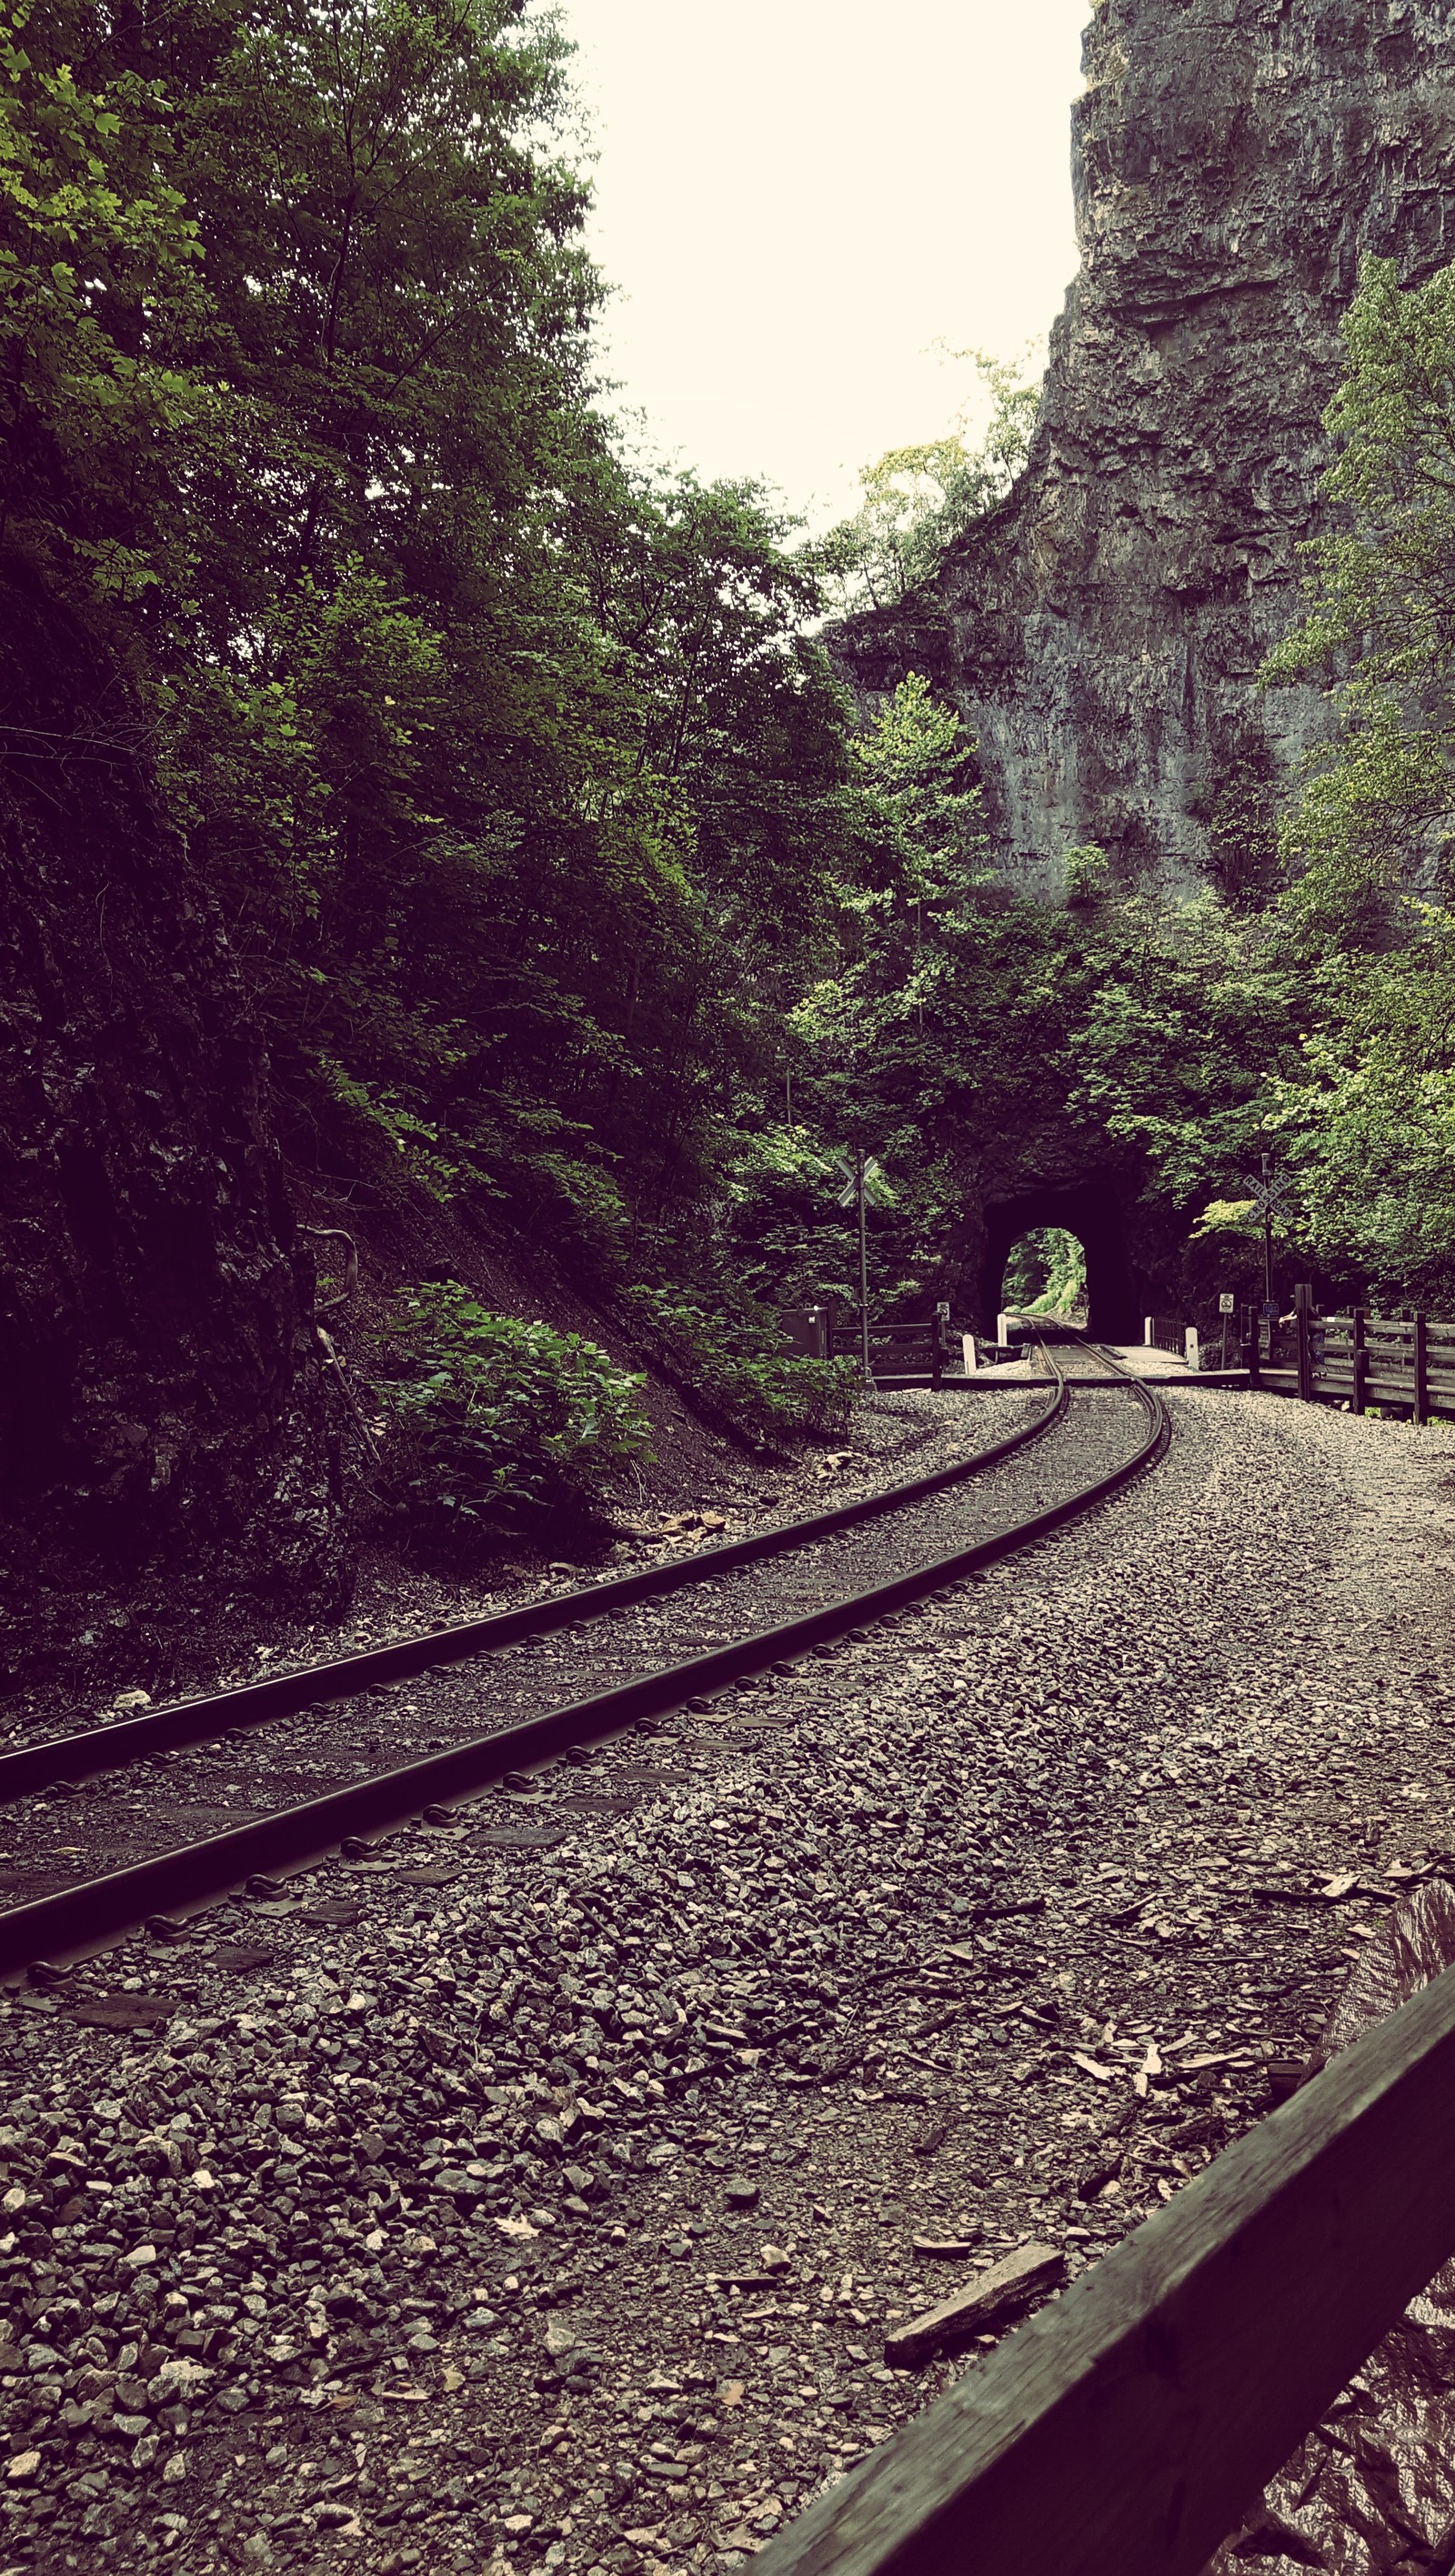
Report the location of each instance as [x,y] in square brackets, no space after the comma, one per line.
[1225,1302]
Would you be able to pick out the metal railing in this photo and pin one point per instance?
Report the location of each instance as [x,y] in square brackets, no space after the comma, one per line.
[1164,1333]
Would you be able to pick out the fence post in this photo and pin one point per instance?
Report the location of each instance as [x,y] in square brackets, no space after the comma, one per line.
[1422,1392]
[1356,1355]
[1303,1307]
[942,1338]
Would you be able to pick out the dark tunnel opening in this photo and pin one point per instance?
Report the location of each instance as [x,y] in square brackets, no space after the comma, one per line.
[1092,1212]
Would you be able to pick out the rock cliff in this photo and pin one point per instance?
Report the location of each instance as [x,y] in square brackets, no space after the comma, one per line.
[1234,160]
[164,1449]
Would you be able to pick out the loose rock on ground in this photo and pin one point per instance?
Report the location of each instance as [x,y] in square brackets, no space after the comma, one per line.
[556,2209]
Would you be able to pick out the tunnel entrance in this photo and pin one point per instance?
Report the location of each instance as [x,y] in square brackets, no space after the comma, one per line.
[1091,1213]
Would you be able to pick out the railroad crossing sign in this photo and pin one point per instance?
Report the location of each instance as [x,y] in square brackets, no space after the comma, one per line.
[872,1172]
[1270,1196]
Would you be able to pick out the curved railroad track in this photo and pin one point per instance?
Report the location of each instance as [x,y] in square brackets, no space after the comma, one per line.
[495,1686]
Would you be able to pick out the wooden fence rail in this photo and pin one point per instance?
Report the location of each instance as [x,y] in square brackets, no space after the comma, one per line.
[1360,1359]
[909,1348]
[1125,2430]
[817,1332]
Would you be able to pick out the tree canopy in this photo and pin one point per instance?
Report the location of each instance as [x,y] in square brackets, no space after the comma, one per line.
[564,877]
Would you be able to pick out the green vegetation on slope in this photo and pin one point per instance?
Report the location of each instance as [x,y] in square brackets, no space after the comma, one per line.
[562,879]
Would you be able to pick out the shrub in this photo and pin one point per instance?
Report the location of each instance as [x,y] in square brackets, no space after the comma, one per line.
[735,1360]
[492,1421]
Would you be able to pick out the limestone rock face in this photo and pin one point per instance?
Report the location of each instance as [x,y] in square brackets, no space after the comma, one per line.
[165,1445]
[1234,160]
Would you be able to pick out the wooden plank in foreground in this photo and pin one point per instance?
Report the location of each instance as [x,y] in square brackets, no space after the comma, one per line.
[1124,2430]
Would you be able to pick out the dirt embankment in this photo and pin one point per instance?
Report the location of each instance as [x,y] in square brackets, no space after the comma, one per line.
[692,1460]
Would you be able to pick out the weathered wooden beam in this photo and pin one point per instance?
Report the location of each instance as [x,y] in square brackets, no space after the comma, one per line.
[1124,2430]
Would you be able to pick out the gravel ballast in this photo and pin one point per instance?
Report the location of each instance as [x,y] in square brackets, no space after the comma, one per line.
[551,2201]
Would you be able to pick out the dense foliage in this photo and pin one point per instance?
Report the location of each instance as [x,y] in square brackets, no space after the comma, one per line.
[523,792]
[488,1420]
[563,880]
[1046,1274]
[1366,1123]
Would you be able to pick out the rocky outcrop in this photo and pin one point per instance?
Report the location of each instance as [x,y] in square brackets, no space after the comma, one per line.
[1103,631]
[164,1451]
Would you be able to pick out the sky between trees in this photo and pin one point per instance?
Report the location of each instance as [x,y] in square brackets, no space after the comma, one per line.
[796,199]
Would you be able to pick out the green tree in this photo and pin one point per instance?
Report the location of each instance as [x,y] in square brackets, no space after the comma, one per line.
[1381,632]
[919,499]
[99,273]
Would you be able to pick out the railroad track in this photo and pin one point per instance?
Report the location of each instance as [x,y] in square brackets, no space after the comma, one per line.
[624,1650]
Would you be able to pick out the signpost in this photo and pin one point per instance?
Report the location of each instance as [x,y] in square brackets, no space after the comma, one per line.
[1225,1308]
[859,1179]
[1271,1197]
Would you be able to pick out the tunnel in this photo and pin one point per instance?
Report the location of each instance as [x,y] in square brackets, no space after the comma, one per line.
[1090,1210]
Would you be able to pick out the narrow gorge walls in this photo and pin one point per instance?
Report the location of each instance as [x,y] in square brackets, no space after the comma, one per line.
[1234,160]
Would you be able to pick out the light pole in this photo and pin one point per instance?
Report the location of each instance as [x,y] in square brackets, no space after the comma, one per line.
[863,1269]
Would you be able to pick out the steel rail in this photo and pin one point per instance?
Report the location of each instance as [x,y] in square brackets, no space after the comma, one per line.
[86,1916]
[88,1752]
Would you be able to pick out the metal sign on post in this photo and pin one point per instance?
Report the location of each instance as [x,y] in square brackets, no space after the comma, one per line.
[1225,1301]
[1271,1197]
[860,1176]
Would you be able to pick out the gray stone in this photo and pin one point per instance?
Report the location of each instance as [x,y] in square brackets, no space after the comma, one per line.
[1104,628]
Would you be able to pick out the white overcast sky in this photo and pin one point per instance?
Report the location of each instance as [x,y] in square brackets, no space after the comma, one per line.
[795,199]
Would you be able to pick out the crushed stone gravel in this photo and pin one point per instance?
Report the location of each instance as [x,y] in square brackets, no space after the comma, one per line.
[489,2205]
[893,1436]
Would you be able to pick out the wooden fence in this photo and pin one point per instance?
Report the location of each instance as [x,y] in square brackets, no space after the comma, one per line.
[1358,1360]
[921,1350]
[911,1350]
[1126,2429]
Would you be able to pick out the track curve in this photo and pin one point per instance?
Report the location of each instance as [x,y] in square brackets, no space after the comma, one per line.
[85,1752]
[86,1915]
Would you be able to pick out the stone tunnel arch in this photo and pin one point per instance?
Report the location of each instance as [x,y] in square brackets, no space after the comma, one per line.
[1090,1210]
